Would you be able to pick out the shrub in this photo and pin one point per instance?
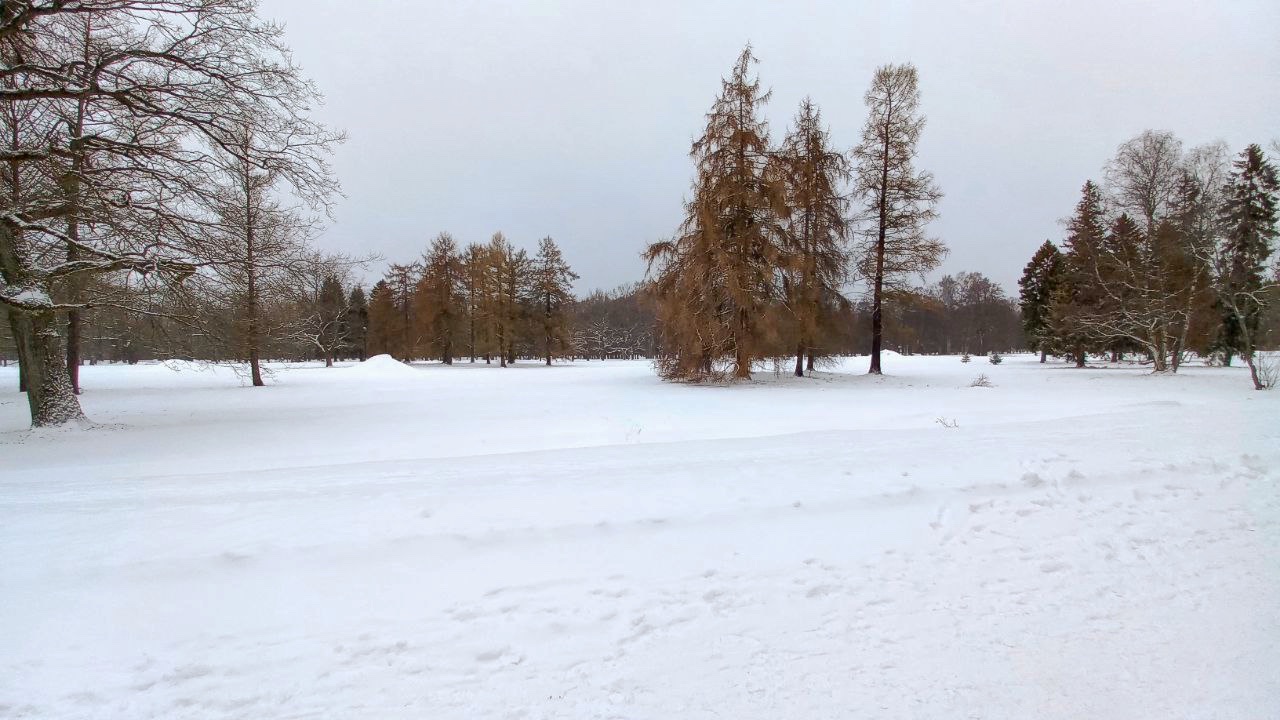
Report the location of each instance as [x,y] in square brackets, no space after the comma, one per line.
[995,358]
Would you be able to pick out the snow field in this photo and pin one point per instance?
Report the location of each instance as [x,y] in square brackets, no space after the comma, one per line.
[585,541]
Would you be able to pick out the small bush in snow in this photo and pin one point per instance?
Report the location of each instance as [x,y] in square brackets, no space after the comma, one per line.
[948,424]
[1268,369]
[965,357]
[995,358]
[981,381]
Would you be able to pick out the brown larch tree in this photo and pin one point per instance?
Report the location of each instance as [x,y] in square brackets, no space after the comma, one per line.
[896,201]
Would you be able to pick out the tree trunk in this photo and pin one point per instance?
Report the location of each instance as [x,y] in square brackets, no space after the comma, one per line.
[73,350]
[809,364]
[877,297]
[1080,357]
[800,360]
[1044,355]
[55,403]
[20,326]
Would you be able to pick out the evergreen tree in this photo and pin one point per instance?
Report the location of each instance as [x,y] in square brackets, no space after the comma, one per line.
[382,320]
[897,200]
[1249,217]
[552,282]
[719,276]
[816,260]
[439,299]
[357,328]
[1077,296]
[1039,282]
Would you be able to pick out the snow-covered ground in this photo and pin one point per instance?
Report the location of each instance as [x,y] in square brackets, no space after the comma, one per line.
[584,541]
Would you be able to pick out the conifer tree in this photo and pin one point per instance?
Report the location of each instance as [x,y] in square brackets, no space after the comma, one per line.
[439,299]
[382,320]
[475,265]
[507,291]
[402,280]
[718,277]
[1077,296]
[897,200]
[1244,280]
[816,260]
[1039,282]
[357,330]
[552,286]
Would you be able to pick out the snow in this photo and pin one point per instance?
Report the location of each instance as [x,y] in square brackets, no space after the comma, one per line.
[384,541]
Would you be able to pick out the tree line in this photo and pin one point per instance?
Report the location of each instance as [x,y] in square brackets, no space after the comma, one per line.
[774,235]
[486,301]
[1173,252]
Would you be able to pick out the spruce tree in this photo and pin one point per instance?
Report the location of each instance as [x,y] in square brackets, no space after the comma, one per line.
[1039,282]
[816,261]
[717,278]
[1249,217]
[1077,296]
[357,327]
[552,286]
[382,320]
[896,199]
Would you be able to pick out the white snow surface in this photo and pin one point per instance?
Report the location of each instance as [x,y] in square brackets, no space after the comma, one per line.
[585,541]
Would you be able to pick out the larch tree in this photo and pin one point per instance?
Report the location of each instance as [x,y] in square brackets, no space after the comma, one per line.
[716,280]
[475,268]
[1245,279]
[507,291]
[896,200]
[552,288]
[1037,287]
[816,259]
[440,298]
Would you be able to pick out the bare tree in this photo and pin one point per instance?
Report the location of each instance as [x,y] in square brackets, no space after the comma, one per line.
[167,83]
[896,200]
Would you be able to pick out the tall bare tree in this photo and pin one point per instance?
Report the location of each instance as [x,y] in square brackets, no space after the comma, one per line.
[895,199]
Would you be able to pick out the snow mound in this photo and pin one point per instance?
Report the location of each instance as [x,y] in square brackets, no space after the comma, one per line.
[380,367]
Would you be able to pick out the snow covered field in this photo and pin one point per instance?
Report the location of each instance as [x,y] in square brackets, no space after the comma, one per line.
[584,541]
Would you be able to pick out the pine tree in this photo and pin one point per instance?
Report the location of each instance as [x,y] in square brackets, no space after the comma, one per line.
[1039,282]
[552,282]
[357,330]
[816,260]
[1077,296]
[897,200]
[1249,217]
[719,276]
[439,299]
[382,320]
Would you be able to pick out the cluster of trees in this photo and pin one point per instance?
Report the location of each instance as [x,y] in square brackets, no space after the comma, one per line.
[157,161]
[1172,253]
[485,301]
[772,236]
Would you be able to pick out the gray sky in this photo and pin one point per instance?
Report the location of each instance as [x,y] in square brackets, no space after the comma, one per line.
[573,119]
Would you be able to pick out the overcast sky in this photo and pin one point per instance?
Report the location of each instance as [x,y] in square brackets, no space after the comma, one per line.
[574,119]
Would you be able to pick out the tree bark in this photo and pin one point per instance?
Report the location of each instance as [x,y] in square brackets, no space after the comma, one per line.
[55,403]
